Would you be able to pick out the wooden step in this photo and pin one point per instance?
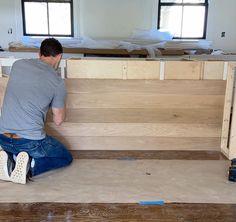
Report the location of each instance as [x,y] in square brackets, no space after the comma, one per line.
[127,100]
[96,115]
[184,87]
[206,94]
[135,129]
[140,143]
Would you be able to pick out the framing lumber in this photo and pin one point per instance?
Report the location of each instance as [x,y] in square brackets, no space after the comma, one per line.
[228,124]
[213,70]
[3,84]
[190,87]
[183,70]
[232,141]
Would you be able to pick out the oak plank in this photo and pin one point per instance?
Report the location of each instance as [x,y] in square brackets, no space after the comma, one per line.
[145,115]
[190,87]
[140,143]
[128,100]
[134,129]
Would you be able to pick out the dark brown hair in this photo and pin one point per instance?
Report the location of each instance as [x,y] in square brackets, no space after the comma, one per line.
[50,47]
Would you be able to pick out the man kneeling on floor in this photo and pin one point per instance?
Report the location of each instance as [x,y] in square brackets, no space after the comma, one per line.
[33,87]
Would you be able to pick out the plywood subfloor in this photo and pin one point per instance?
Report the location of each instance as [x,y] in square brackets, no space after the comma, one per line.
[127,181]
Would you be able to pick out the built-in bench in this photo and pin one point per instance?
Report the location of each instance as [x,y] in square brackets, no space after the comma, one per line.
[147,105]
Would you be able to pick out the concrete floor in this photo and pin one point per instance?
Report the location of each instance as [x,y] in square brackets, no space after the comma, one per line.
[128,181]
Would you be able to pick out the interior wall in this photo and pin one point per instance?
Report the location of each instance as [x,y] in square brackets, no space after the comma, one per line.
[7,22]
[221,18]
[113,19]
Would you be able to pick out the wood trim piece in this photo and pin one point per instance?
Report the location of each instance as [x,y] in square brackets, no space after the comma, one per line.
[227,111]
[232,141]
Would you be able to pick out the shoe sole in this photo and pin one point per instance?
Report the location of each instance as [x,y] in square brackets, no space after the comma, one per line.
[3,166]
[18,175]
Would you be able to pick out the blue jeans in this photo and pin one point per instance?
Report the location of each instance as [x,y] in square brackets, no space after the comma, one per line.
[47,153]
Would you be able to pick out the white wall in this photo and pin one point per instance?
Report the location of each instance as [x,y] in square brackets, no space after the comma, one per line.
[112,19]
[7,21]
[221,18]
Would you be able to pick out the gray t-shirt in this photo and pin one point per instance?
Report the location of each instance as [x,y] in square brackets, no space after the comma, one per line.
[33,87]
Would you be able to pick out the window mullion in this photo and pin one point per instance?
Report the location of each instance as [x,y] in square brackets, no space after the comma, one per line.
[185,9]
[182,21]
[48,19]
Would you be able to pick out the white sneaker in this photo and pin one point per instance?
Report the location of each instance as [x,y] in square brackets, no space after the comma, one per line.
[4,166]
[19,174]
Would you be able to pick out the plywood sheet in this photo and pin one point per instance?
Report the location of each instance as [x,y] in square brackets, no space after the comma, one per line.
[183,70]
[213,70]
[109,181]
[98,69]
[143,70]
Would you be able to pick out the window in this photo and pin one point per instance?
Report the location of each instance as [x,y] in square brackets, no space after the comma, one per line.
[47,17]
[185,19]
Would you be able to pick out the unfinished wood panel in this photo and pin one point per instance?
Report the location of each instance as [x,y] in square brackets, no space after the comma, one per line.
[0,69]
[183,70]
[143,70]
[232,135]
[190,87]
[3,85]
[140,143]
[227,111]
[135,129]
[213,70]
[97,69]
[125,100]
[142,116]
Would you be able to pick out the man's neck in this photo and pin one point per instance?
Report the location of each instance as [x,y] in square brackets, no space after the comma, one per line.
[48,60]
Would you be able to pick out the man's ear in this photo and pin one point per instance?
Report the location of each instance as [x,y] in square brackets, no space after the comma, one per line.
[59,56]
